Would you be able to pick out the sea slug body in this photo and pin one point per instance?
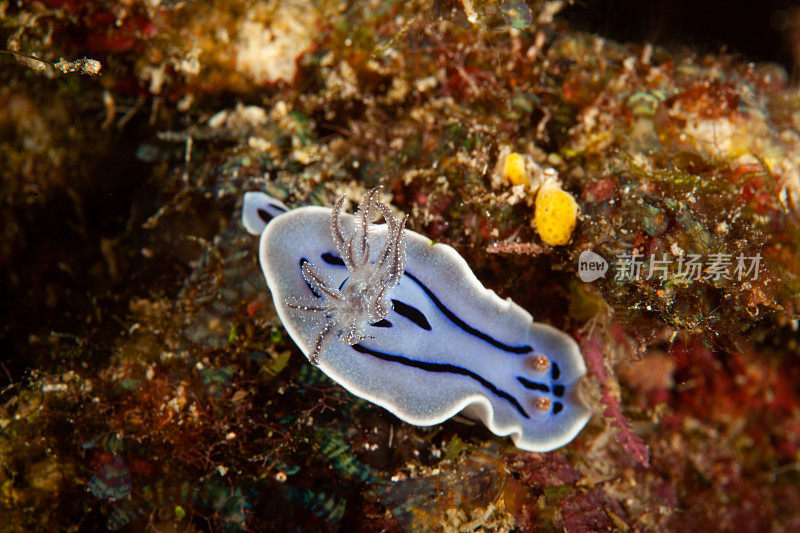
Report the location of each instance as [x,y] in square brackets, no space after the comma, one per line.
[405,324]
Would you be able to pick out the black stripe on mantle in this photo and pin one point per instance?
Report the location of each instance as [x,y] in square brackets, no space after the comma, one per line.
[443,368]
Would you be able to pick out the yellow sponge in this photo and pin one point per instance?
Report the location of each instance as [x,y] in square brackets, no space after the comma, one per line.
[555,215]
[514,169]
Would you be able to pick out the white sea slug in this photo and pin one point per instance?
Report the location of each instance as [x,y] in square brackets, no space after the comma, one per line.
[405,324]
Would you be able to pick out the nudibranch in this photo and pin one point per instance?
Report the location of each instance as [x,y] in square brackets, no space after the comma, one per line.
[405,324]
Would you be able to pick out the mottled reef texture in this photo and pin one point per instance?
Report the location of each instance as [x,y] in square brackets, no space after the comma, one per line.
[148,382]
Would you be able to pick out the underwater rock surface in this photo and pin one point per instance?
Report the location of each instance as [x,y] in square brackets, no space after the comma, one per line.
[148,381]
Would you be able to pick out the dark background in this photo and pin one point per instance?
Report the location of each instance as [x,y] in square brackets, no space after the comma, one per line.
[758,30]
